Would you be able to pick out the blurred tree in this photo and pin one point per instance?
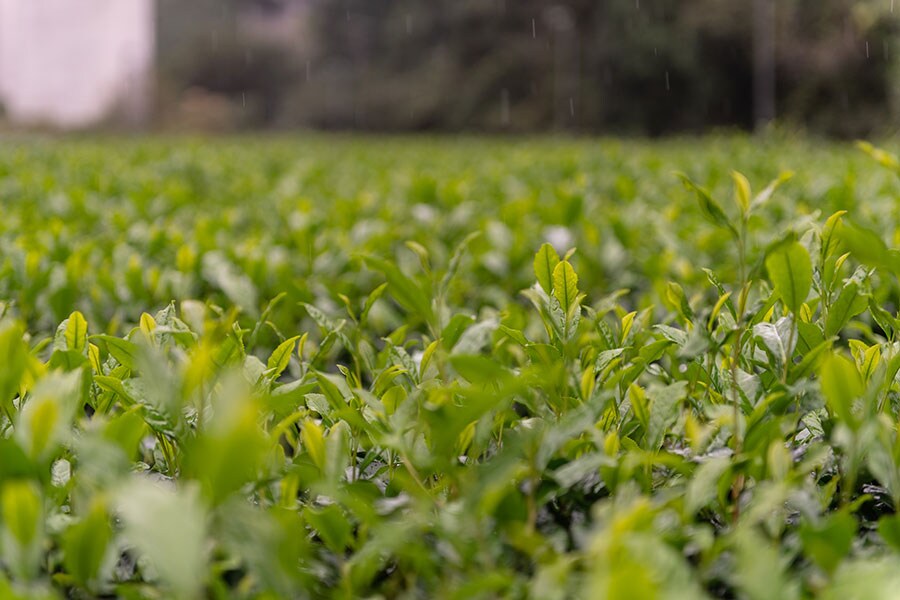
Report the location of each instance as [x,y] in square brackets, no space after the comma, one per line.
[203,47]
[625,66]
[763,62]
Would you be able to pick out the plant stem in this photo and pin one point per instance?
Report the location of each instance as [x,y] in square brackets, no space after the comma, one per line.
[738,485]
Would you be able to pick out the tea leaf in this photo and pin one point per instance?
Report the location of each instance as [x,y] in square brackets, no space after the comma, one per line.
[565,285]
[545,262]
[709,207]
[868,247]
[281,356]
[85,544]
[841,385]
[76,332]
[741,191]
[849,303]
[790,270]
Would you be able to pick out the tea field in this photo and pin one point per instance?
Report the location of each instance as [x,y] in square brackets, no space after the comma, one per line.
[343,367]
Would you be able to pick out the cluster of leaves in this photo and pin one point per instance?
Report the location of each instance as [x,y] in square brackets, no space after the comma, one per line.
[732,432]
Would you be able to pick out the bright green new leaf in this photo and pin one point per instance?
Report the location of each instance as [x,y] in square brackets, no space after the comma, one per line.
[44,421]
[22,516]
[76,332]
[829,238]
[545,262]
[677,300]
[741,191]
[882,157]
[14,358]
[842,386]
[790,270]
[565,285]
[20,503]
[392,398]
[147,325]
[640,405]
[281,357]
[314,442]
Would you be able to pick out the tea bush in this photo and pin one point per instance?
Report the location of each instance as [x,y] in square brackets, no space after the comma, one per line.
[338,368]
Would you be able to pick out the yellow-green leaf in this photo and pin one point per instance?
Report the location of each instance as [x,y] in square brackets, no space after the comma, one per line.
[545,262]
[627,322]
[831,241]
[314,442]
[148,324]
[565,285]
[94,356]
[76,332]
[639,405]
[393,398]
[841,385]
[741,191]
[885,159]
[281,357]
[21,506]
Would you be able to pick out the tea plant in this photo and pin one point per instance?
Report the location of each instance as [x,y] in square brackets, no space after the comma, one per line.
[424,398]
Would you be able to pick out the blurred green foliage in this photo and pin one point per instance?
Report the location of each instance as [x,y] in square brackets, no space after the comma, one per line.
[259,368]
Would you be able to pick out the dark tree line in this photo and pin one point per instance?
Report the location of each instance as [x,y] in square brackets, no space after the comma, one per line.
[623,66]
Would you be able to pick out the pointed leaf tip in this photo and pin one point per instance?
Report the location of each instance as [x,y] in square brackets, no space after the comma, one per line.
[545,262]
[565,285]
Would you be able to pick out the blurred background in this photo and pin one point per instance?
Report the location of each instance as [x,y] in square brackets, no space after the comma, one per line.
[635,67]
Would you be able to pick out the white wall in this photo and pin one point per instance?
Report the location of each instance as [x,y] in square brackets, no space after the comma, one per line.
[68,63]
